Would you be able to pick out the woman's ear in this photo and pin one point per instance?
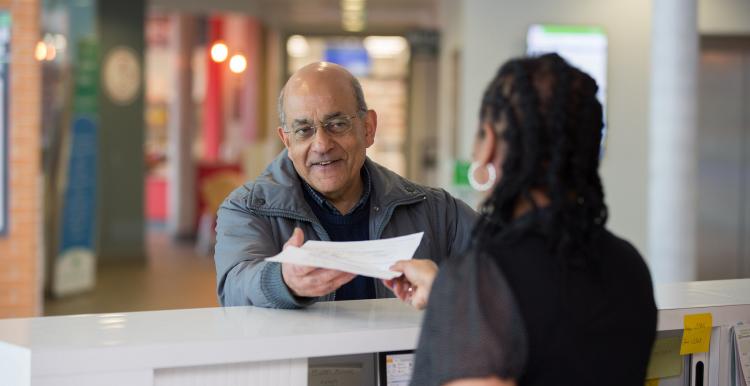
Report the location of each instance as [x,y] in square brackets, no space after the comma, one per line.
[487,144]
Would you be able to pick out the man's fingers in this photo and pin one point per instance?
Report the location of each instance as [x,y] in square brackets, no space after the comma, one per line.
[324,275]
[323,281]
[340,281]
[297,239]
[301,270]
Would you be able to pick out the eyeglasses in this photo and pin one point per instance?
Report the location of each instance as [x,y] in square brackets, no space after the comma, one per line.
[335,126]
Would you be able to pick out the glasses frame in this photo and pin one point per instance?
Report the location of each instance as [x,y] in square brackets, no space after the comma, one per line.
[320,124]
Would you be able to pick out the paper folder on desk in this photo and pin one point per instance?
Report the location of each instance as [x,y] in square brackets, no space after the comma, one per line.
[371,258]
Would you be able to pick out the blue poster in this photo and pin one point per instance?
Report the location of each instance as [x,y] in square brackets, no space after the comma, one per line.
[79,199]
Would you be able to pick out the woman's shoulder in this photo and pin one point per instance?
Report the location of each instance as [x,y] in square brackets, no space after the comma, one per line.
[620,254]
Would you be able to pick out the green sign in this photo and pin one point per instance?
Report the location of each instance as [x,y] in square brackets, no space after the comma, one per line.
[461,173]
[86,78]
[572,29]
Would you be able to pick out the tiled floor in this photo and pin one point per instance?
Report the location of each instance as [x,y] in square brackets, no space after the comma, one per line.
[174,276]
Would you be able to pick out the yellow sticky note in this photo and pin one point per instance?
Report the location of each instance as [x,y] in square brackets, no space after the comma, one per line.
[696,336]
[652,382]
[665,359]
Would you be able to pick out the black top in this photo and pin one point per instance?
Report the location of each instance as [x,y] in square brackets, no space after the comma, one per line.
[513,310]
[353,226]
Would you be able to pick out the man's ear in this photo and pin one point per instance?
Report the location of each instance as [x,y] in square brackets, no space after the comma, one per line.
[283,136]
[487,145]
[371,125]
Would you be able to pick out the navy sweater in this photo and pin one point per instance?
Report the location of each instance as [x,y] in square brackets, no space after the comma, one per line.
[354,226]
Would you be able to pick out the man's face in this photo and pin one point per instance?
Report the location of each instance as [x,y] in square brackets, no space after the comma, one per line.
[329,162]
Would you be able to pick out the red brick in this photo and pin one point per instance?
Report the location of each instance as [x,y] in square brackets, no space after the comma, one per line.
[19,249]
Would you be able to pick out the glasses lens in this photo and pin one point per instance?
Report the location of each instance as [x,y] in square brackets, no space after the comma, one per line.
[338,125]
[302,133]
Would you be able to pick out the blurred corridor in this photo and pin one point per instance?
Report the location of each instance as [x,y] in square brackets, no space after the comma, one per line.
[174,276]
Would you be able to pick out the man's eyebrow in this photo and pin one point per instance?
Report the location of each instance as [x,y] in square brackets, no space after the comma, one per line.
[301,121]
[337,114]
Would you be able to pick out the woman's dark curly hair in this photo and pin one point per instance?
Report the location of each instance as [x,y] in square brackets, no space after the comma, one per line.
[547,113]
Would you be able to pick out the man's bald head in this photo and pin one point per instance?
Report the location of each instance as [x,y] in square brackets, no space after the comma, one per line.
[313,75]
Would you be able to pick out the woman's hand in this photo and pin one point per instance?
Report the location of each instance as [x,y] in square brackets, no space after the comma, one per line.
[414,285]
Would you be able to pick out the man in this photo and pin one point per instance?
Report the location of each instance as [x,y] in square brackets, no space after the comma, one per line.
[323,187]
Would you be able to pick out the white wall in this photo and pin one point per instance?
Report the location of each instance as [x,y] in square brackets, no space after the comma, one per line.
[493,31]
[451,42]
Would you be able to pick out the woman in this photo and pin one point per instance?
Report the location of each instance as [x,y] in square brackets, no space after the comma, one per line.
[546,295]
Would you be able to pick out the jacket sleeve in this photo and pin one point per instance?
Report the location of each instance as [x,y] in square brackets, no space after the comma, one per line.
[243,242]
[460,225]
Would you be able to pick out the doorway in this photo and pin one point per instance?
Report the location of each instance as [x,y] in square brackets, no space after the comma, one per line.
[724,159]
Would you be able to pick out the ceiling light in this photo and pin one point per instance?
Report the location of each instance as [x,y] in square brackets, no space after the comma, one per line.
[219,52]
[40,51]
[385,46]
[238,63]
[297,46]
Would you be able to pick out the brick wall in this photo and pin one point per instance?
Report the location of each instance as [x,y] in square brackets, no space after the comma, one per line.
[20,248]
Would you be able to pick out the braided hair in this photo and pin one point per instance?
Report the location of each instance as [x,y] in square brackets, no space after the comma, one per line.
[547,113]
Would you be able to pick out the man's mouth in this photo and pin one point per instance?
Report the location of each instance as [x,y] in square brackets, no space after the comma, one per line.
[324,163]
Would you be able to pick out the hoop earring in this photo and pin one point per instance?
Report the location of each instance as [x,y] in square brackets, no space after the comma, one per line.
[490,180]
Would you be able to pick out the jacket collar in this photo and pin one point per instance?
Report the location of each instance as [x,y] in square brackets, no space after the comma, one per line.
[279,189]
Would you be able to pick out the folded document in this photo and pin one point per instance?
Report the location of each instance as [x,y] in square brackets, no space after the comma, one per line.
[368,258]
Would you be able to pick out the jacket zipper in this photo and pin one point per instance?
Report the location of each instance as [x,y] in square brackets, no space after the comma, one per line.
[387,218]
[391,208]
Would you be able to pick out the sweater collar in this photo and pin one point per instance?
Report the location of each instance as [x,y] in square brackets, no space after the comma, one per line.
[328,206]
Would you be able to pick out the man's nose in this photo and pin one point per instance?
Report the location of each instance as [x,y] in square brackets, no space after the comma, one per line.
[322,141]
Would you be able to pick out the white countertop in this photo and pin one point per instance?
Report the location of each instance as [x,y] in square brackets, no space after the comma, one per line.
[177,338]
[703,294]
[727,300]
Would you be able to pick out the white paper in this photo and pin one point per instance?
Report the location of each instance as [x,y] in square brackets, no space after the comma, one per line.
[368,258]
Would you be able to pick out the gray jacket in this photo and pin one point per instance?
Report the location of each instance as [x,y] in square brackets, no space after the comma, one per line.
[257,219]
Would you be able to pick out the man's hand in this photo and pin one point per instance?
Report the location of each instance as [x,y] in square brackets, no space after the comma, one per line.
[415,284]
[310,281]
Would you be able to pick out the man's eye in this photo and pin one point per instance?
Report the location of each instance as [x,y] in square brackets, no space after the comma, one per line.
[303,130]
[337,125]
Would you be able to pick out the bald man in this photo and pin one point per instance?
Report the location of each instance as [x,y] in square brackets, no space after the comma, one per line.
[323,187]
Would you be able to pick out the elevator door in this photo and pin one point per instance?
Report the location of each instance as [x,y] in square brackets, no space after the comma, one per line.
[724,159]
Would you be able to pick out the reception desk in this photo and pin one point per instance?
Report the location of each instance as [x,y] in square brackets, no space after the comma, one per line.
[254,346]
